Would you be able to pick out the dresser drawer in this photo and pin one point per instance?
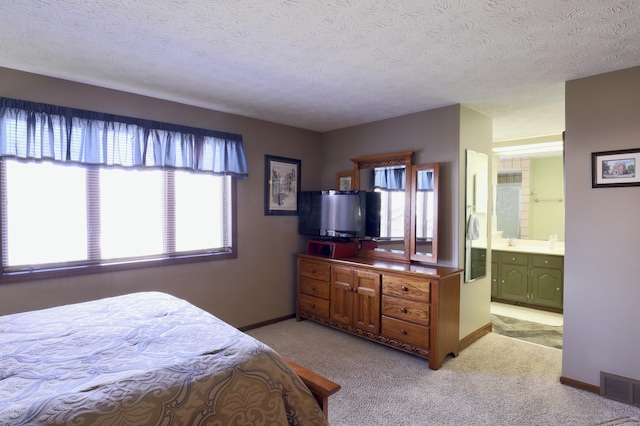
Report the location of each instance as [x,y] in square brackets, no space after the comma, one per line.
[417,290]
[318,271]
[514,258]
[417,335]
[313,304]
[314,287]
[542,261]
[407,310]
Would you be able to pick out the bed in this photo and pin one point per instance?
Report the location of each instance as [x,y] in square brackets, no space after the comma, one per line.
[143,359]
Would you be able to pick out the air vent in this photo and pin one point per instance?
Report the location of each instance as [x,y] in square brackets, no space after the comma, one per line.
[620,388]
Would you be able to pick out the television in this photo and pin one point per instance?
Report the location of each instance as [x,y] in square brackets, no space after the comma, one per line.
[339,214]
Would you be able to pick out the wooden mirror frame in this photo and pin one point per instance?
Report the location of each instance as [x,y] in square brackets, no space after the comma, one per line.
[415,255]
[387,160]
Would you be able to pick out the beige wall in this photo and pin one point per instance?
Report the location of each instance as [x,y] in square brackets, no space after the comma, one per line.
[602,289]
[476,133]
[432,135]
[255,287]
[547,184]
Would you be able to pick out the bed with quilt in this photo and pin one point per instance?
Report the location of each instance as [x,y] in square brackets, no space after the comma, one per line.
[143,359]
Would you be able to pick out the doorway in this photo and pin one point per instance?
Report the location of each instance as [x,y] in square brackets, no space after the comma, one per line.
[528,208]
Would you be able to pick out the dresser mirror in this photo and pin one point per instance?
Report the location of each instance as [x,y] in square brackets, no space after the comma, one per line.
[390,175]
[424,212]
[476,200]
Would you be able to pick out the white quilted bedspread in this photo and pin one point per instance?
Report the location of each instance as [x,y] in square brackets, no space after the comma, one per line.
[143,359]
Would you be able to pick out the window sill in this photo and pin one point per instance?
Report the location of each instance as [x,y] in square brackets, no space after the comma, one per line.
[70,271]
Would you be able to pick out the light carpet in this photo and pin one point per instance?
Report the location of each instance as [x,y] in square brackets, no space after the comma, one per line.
[495,381]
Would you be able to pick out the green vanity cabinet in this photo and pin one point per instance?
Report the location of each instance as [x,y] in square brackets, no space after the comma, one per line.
[528,279]
[494,277]
[478,263]
[546,280]
[513,284]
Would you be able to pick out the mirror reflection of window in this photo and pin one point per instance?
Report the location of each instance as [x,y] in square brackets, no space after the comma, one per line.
[391,183]
[391,214]
[424,204]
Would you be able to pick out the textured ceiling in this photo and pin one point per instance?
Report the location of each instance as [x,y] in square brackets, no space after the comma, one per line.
[328,64]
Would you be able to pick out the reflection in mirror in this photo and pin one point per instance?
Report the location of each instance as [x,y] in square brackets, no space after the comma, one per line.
[476,200]
[424,217]
[529,197]
[387,174]
[390,182]
[528,194]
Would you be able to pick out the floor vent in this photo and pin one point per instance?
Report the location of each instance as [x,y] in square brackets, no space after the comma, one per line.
[620,388]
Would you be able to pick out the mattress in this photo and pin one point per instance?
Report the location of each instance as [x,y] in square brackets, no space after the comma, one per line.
[143,359]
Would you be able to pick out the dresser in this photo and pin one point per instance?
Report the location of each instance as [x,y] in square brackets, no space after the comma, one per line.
[411,307]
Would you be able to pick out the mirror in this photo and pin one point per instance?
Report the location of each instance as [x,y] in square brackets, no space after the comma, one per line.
[387,174]
[424,214]
[529,196]
[476,201]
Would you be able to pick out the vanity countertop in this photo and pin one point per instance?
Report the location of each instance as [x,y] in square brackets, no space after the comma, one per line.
[528,246]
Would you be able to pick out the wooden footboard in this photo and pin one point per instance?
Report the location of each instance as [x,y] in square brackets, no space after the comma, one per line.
[320,387]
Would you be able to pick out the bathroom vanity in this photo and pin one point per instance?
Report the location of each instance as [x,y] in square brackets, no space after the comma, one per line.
[528,274]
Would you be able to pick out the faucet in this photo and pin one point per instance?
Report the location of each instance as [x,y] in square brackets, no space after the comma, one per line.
[510,242]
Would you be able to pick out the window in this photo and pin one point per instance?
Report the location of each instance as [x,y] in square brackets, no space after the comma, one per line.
[83,192]
[57,217]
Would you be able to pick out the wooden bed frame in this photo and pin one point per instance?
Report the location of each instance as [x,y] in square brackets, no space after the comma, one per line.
[321,387]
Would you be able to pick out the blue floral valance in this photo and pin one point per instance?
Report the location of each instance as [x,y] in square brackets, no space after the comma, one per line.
[36,131]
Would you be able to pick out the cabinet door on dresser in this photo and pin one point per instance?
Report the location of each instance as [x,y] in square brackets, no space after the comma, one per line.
[342,295]
[355,297]
[366,309]
[313,288]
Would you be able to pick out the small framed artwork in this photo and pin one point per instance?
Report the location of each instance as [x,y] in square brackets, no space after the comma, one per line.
[615,168]
[281,185]
[344,180]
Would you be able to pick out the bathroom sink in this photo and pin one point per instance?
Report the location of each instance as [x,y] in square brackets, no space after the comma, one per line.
[541,249]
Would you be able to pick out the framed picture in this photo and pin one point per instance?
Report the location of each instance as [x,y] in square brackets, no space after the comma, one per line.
[343,180]
[615,168]
[281,185]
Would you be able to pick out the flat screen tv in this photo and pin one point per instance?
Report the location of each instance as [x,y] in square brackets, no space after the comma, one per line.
[339,214]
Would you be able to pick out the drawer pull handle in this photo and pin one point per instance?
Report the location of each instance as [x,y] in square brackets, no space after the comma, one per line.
[313,270]
[403,310]
[403,331]
[546,261]
[404,288]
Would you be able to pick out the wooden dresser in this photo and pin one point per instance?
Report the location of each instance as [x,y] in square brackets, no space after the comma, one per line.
[411,307]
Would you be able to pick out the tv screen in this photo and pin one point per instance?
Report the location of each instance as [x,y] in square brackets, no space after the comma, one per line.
[339,214]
